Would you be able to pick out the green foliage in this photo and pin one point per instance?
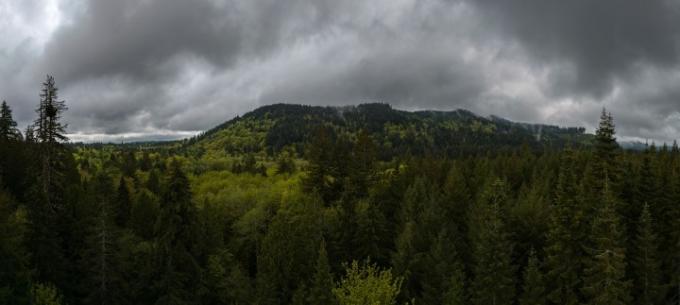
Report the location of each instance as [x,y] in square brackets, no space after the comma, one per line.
[645,262]
[493,281]
[533,292]
[604,281]
[320,290]
[366,284]
[227,217]
[43,294]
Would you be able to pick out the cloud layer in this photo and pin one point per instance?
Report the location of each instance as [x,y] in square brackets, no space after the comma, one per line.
[158,68]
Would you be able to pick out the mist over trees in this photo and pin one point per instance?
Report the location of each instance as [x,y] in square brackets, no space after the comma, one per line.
[290,205]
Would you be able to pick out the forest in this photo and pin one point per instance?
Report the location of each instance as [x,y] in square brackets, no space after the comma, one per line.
[360,206]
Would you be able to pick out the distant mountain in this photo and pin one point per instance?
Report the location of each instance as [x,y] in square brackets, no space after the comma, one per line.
[275,127]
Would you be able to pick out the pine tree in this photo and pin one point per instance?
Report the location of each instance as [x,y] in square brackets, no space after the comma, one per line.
[49,133]
[47,211]
[606,152]
[444,281]
[321,289]
[8,127]
[564,250]
[454,293]
[104,281]
[534,286]
[493,271]
[123,204]
[361,166]
[604,281]
[645,264]
[176,237]
[605,142]
[14,266]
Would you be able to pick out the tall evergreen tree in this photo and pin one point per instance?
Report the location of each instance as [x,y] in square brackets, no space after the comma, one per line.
[47,211]
[605,140]
[564,250]
[123,204]
[534,286]
[8,127]
[321,289]
[645,264]
[444,281]
[50,132]
[493,271]
[176,236]
[604,281]
[103,280]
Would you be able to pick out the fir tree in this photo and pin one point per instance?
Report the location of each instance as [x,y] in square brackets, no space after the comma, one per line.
[534,286]
[493,271]
[123,207]
[176,228]
[604,281]
[444,281]
[8,127]
[645,264]
[605,140]
[101,253]
[321,289]
[565,234]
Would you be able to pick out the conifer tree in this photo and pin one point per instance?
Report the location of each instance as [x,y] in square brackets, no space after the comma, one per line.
[104,281]
[123,204]
[321,289]
[534,286]
[175,231]
[444,281]
[605,140]
[493,271]
[604,280]
[8,127]
[454,293]
[645,264]
[47,208]
[606,151]
[362,163]
[564,238]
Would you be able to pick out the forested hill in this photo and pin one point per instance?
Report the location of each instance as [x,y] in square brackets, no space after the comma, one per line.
[396,132]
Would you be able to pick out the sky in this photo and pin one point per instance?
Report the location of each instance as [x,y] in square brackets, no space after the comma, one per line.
[163,69]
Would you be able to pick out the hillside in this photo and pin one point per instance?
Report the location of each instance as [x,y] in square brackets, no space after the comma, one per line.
[274,127]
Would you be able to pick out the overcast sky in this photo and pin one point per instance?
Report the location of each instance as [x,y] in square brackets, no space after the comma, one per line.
[168,68]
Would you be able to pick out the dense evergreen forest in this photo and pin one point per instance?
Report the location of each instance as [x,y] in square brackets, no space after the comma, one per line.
[321,205]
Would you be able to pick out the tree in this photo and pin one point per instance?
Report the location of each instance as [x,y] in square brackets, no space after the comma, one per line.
[361,166]
[100,257]
[564,239]
[367,285]
[604,280]
[493,271]
[8,127]
[176,238]
[605,140]
[47,211]
[321,289]
[123,204]
[444,280]
[50,132]
[646,268]
[14,268]
[534,285]
[45,294]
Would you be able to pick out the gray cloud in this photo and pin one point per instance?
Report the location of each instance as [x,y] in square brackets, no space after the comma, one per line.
[156,68]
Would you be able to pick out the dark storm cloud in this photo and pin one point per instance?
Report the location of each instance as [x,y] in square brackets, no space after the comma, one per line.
[598,40]
[161,67]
